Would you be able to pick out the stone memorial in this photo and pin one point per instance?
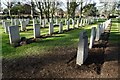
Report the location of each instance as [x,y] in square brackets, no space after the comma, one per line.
[6,25]
[43,23]
[102,28]
[60,27]
[83,22]
[12,22]
[51,28]
[14,35]
[65,21]
[98,33]
[56,21]
[37,30]
[68,24]
[73,23]
[23,26]
[82,52]
[86,22]
[16,22]
[92,37]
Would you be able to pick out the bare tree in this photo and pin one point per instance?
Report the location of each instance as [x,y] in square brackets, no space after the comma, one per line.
[9,4]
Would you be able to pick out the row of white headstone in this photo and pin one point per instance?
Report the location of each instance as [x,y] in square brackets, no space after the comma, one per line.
[82,52]
[25,22]
[15,22]
[36,27]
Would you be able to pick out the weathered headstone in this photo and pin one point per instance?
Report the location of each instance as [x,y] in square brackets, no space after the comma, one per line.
[14,35]
[51,28]
[60,27]
[82,52]
[92,37]
[37,30]
[68,24]
[23,26]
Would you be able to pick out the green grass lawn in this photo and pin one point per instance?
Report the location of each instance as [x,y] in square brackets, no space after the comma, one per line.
[67,39]
[115,32]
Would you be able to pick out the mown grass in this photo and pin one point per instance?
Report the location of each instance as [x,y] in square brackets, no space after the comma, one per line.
[41,47]
[115,32]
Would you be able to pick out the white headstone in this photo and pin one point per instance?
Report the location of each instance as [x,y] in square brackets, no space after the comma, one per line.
[20,20]
[37,30]
[82,52]
[65,21]
[34,21]
[68,24]
[51,28]
[73,23]
[43,23]
[60,27]
[92,37]
[77,23]
[50,20]
[98,33]
[12,22]
[23,26]
[16,22]
[102,28]
[46,21]
[14,35]
[3,23]
[86,22]
[6,25]
[56,21]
